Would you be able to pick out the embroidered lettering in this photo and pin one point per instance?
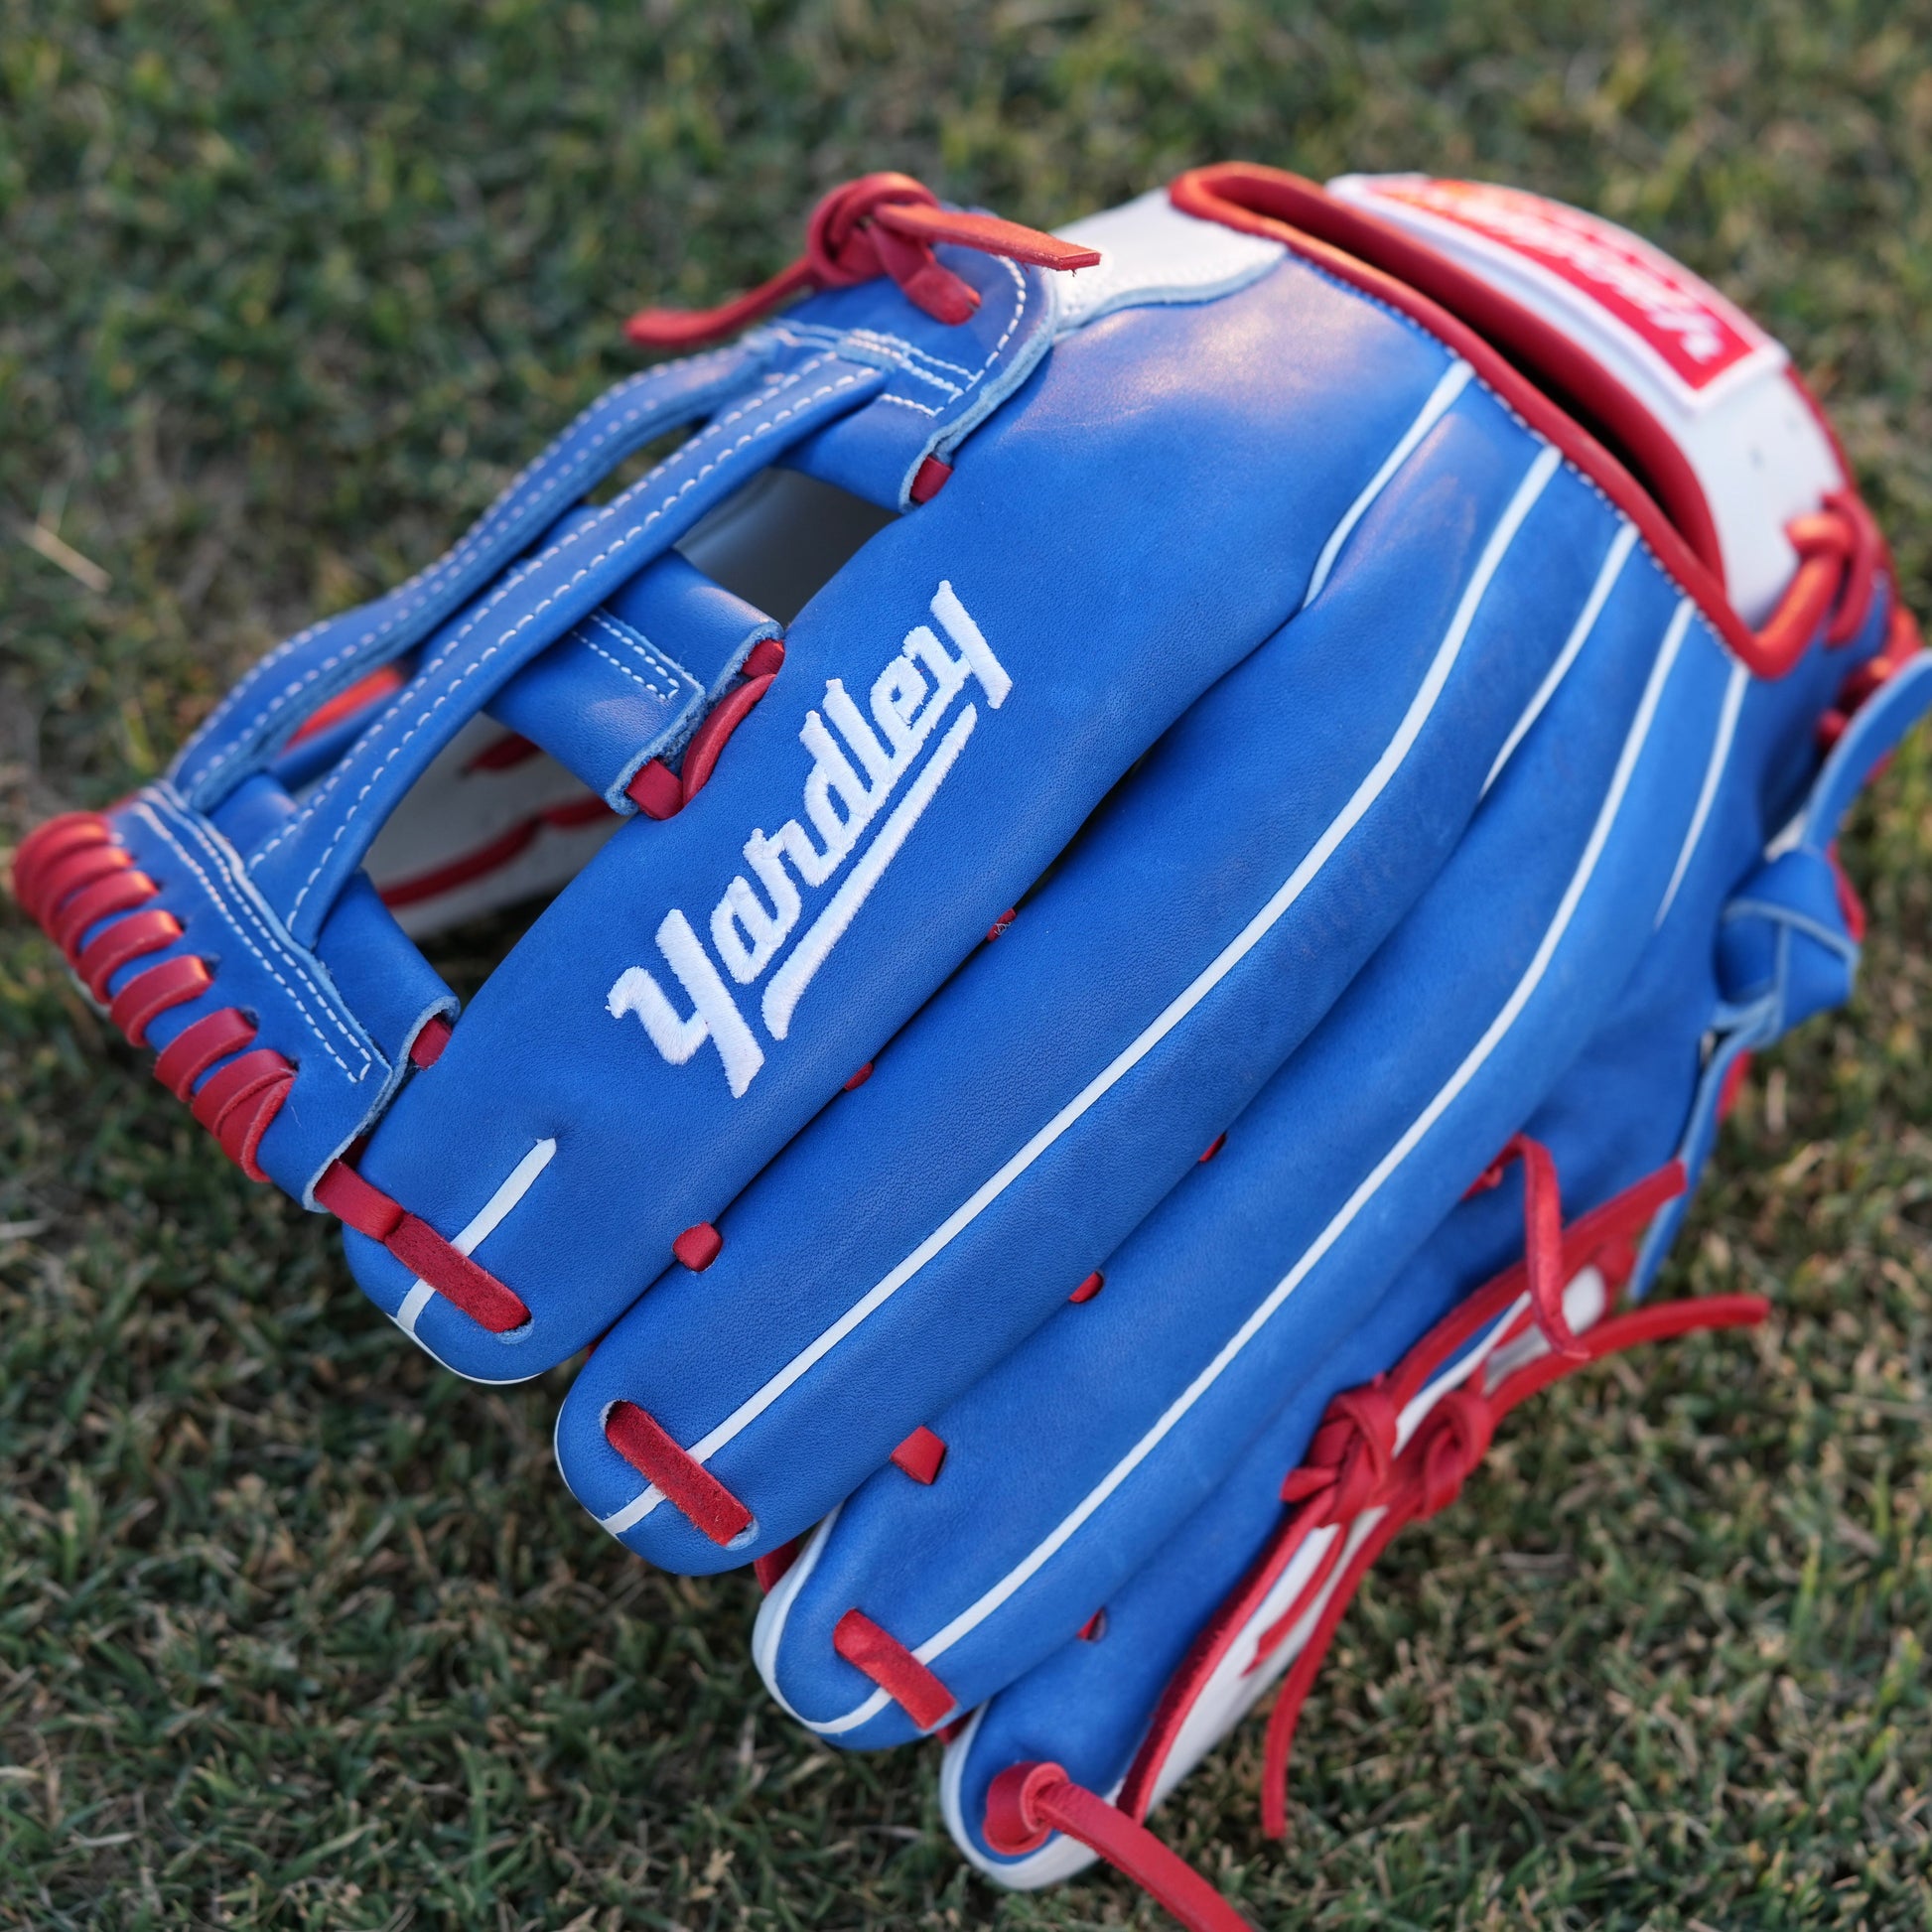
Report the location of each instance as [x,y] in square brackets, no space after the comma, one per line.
[859,760]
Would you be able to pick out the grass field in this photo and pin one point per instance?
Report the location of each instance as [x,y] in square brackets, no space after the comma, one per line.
[297,1634]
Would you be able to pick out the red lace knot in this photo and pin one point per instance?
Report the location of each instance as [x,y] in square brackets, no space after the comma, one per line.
[1454,1439]
[879,224]
[1350,1458]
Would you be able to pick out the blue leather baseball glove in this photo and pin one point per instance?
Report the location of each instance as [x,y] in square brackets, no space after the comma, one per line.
[1165,844]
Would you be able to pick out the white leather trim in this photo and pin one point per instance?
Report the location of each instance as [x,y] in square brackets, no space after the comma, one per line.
[1751,440]
[1151,252]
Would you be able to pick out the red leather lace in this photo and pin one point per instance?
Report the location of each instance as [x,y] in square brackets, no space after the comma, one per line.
[74,878]
[1027,1803]
[1356,1463]
[879,224]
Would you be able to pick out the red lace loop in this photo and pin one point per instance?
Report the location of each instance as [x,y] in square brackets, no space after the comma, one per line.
[1027,1803]
[1542,1237]
[879,224]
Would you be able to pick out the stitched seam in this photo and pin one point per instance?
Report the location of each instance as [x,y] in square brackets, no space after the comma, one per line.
[633,535]
[219,899]
[897,346]
[923,408]
[320,797]
[499,511]
[590,643]
[634,644]
[992,354]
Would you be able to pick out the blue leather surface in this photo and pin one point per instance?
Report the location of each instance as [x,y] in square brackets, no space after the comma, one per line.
[1618,1112]
[1188,415]
[1409,1116]
[1095,960]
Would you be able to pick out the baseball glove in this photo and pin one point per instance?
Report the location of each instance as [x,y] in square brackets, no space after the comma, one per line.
[1403,649]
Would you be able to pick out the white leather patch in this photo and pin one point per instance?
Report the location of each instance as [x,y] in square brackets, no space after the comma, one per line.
[1718,385]
[1151,252]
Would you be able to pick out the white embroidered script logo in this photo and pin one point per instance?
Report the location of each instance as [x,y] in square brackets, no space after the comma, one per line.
[849,785]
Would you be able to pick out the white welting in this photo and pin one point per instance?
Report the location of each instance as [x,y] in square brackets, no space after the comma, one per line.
[1177,1010]
[1444,392]
[990,1601]
[1619,551]
[1151,252]
[1720,755]
[483,1224]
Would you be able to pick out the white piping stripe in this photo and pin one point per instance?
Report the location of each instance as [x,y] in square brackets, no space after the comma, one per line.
[1720,755]
[1230,956]
[977,1612]
[485,1223]
[1619,551]
[1444,392]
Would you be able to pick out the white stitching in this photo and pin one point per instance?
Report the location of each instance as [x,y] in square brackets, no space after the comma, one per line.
[634,644]
[690,482]
[772,390]
[219,903]
[446,565]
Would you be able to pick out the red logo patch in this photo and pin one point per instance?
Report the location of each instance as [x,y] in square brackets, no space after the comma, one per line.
[1686,322]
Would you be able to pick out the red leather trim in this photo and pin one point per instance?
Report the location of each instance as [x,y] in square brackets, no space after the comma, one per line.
[431,1039]
[1089,1288]
[930,479]
[199,1046]
[1027,1803]
[119,891]
[1558,365]
[1214,1146]
[352,1201]
[1001,924]
[771,1568]
[918,1692]
[46,844]
[454,1276]
[921,1456]
[724,717]
[859,1079]
[655,791]
[699,1246]
[233,1082]
[345,704]
[1282,206]
[1094,1628]
[72,870]
[766,659]
[1314,1505]
[152,993]
[242,1126]
[425,1253]
[638,1436]
[125,939]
